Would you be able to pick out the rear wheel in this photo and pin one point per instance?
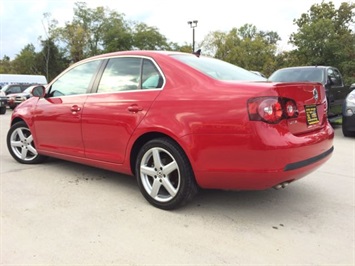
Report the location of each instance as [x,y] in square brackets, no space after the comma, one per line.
[164,174]
[21,146]
[2,110]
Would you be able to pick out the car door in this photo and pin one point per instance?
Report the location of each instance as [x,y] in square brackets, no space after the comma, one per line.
[125,92]
[57,117]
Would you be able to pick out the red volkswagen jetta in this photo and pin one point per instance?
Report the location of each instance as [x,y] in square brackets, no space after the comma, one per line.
[177,122]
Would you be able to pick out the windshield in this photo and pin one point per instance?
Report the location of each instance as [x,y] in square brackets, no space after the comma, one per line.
[218,69]
[297,75]
[28,90]
[4,88]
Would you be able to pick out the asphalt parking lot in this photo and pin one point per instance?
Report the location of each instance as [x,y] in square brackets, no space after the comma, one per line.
[61,213]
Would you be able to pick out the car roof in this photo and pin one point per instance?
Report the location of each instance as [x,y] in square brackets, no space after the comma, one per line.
[138,52]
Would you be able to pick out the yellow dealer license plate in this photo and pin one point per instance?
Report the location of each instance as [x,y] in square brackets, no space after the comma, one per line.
[312,115]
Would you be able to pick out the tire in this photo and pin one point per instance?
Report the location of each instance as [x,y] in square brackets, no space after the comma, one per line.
[346,132]
[164,174]
[2,110]
[21,146]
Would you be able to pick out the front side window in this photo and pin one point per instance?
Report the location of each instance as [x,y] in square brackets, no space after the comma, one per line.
[334,76]
[76,81]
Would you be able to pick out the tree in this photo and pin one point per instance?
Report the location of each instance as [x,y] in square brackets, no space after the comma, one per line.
[246,47]
[25,62]
[6,66]
[49,50]
[76,38]
[117,33]
[148,38]
[83,36]
[55,59]
[324,36]
[101,30]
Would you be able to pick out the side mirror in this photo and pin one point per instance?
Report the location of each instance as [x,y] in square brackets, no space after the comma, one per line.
[39,91]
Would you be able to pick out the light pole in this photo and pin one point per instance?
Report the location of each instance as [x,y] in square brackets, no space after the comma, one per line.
[193,25]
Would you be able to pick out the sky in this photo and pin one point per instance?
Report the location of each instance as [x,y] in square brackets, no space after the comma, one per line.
[22,21]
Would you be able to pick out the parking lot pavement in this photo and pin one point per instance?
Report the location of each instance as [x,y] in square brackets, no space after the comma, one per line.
[63,213]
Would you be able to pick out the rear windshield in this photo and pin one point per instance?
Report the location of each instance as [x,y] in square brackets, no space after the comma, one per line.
[218,69]
[297,75]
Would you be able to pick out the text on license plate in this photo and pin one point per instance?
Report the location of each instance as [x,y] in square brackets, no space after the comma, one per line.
[312,115]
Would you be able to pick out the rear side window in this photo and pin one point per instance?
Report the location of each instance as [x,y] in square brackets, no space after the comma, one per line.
[151,78]
[129,74]
[121,74]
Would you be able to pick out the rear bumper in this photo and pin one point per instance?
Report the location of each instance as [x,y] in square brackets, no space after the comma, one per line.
[309,161]
[259,160]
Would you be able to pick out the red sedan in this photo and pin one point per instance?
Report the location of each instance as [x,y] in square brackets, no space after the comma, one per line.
[177,122]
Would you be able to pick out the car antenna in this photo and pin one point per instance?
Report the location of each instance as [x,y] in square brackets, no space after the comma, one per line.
[197,53]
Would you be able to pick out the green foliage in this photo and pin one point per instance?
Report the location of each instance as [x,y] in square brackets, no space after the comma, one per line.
[25,62]
[51,60]
[325,35]
[246,47]
[117,34]
[6,66]
[148,38]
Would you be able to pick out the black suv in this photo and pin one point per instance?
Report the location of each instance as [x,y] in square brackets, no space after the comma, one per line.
[328,76]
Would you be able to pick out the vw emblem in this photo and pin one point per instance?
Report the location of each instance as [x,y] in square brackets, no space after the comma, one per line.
[315,94]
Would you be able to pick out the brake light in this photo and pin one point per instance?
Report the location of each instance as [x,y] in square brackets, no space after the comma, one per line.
[271,109]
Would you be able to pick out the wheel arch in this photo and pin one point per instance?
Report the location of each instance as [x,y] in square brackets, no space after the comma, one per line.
[143,139]
[17,119]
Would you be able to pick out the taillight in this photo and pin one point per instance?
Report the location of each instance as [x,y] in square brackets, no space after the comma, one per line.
[271,109]
[291,109]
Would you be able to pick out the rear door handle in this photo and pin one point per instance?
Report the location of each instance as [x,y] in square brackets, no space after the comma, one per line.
[134,108]
[75,109]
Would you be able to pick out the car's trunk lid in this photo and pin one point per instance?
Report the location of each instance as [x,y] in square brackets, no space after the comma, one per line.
[311,103]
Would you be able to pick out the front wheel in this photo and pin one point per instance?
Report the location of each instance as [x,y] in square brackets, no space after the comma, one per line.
[164,174]
[21,146]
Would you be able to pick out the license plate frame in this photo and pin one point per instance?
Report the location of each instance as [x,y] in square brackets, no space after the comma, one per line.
[311,114]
